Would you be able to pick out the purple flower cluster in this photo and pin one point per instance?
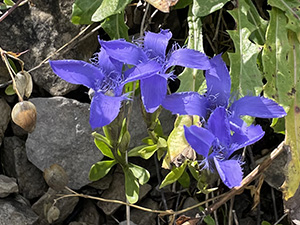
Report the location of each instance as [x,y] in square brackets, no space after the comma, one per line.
[223,131]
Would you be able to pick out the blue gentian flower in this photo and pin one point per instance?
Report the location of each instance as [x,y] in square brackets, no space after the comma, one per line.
[152,65]
[104,76]
[216,143]
[218,94]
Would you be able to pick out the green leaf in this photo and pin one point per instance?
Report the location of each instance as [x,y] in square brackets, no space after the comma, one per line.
[245,77]
[291,9]
[9,90]
[292,124]
[173,176]
[176,141]
[265,223]
[100,137]
[278,125]
[131,186]
[109,8]
[258,35]
[184,180]
[83,10]
[183,4]
[9,2]
[203,7]
[140,173]
[208,219]
[104,148]
[143,151]
[115,26]
[278,72]
[191,79]
[100,169]
[194,171]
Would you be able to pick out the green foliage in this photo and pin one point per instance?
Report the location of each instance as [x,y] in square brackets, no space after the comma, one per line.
[143,151]
[101,169]
[83,10]
[109,8]
[102,146]
[132,187]
[291,8]
[277,70]
[174,175]
[203,7]
[176,141]
[8,2]
[140,173]
[115,26]
[245,77]
[9,90]
[191,79]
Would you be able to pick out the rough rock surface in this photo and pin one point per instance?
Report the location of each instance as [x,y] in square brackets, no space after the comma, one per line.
[15,163]
[5,117]
[42,27]
[13,212]
[8,186]
[89,215]
[63,136]
[142,217]
[43,205]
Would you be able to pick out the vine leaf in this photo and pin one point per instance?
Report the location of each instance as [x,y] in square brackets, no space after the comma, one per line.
[245,76]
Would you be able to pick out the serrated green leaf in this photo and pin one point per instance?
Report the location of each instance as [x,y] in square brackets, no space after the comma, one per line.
[140,173]
[143,151]
[291,9]
[100,169]
[292,125]
[109,8]
[191,79]
[173,176]
[245,77]
[258,35]
[184,180]
[83,10]
[9,90]
[104,148]
[132,187]
[115,26]
[203,7]
[176,140]
[277,70]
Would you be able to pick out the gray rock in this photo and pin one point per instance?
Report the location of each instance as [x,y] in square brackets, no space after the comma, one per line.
[274,175]
[63,136]
[15,164]
[89,215]
[103,183]
[43,27]
[43,205]
[188,203]
[8,186]
[5,117]
[142,217]
[14,213]
[138,128]
[117,192]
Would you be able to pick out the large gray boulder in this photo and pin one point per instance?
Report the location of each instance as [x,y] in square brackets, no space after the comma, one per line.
[63,136]
[42,27]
